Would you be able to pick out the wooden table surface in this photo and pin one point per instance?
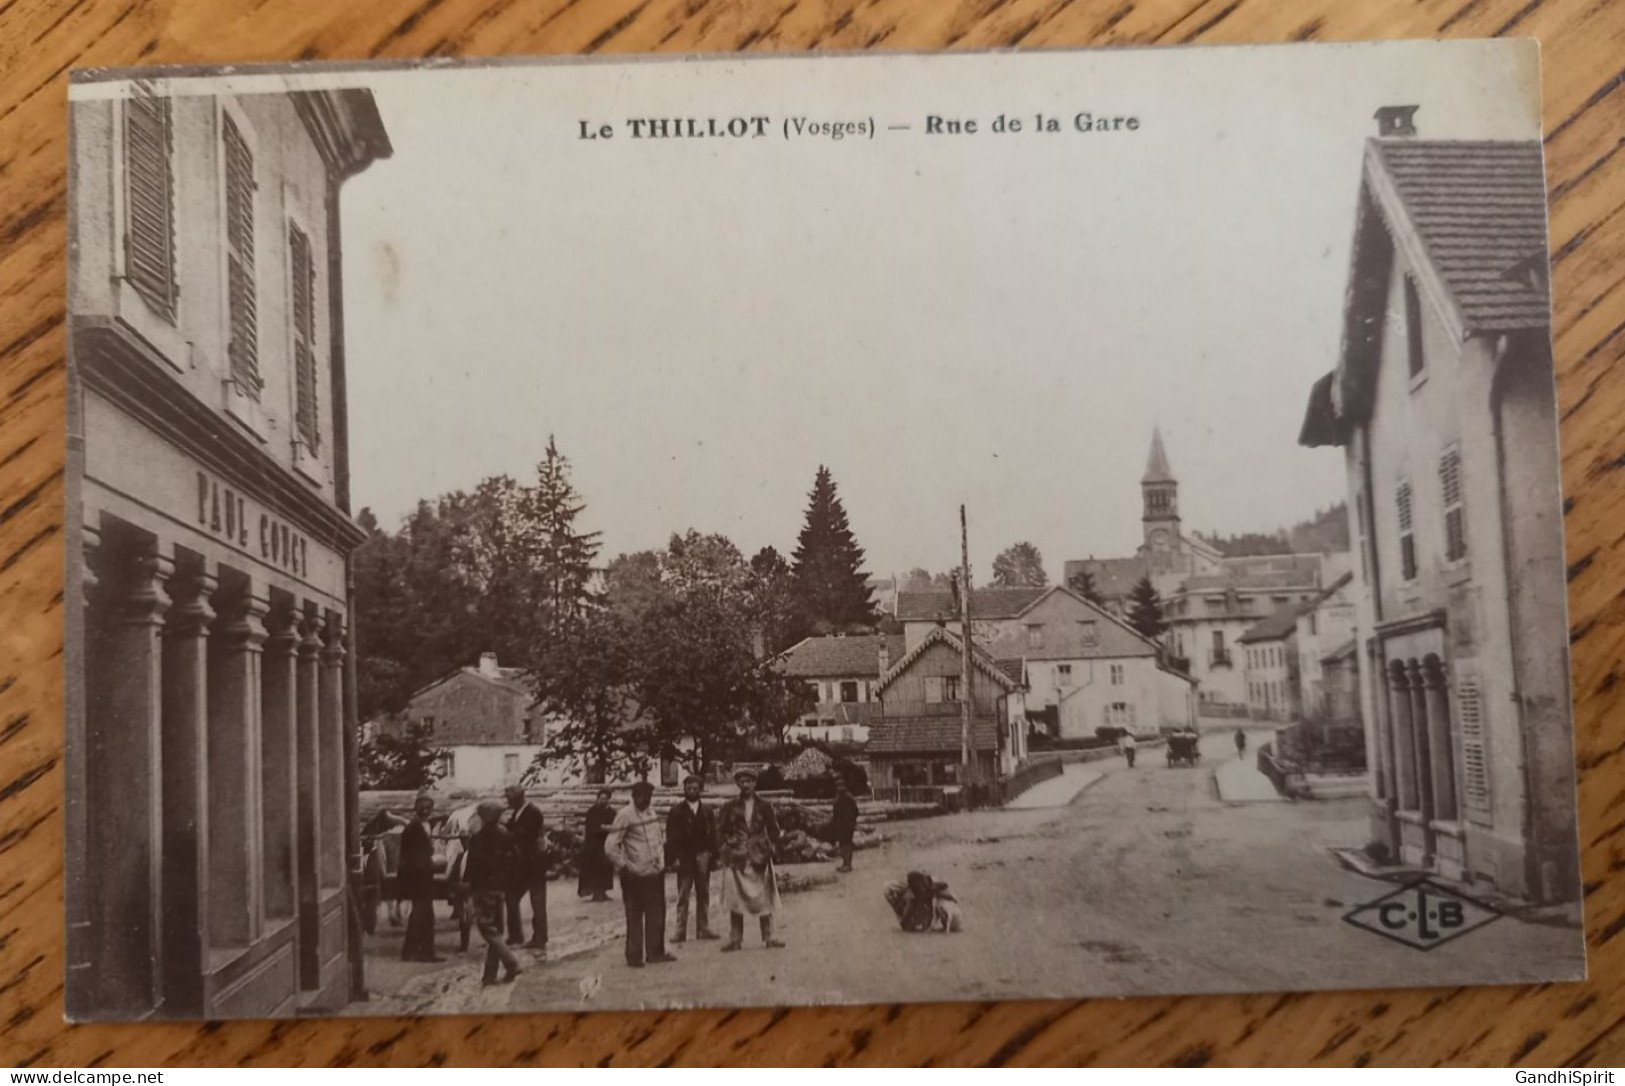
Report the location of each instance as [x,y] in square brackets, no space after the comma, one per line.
[1584,48]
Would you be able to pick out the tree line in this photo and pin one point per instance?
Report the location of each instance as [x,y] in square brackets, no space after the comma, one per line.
[643,656]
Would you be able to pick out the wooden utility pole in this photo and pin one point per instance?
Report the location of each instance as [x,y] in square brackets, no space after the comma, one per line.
[966,701]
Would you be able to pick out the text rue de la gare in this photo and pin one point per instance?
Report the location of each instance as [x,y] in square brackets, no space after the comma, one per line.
[803,127]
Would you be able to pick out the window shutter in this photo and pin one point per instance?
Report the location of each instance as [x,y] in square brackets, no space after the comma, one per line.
[242,305]
[304,338]
[1407,540]
[149,201]
[1455,528]
[1475,771]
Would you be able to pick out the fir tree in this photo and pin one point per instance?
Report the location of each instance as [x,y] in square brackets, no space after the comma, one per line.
[1083,583]
[831,589]
[563,554]
[1145,612]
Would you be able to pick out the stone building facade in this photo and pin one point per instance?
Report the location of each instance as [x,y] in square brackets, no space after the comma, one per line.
[210,703]
[1443,401]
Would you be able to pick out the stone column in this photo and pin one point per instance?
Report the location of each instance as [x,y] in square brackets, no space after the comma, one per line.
[1420,739]
[331,694]
[1399,711]
[185,789]
[234,890]
[84,617]
[1441,747]
[124,787]
[279,716]
[308,799]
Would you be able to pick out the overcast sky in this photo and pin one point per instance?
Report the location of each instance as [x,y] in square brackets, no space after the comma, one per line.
[992,319]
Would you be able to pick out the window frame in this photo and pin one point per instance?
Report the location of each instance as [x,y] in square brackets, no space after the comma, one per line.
[1450,456]
[312,441]
[166,309]
[228,112]
[1416,368]
[1405,523]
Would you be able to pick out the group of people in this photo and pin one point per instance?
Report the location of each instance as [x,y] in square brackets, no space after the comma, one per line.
[506,859]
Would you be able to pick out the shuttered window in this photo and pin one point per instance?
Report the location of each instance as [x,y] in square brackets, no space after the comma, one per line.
[149,201]
[1415,361]
[1475,770]
[304,338]
[243,349]
[1407,534]
[1455,524]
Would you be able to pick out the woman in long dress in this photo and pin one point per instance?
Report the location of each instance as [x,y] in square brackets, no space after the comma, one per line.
[596,874]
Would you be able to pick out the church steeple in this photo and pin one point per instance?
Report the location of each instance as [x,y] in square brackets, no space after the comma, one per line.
[1156,464]
[1160,491]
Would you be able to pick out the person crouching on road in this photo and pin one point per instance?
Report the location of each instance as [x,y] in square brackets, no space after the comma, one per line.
[636,847]
[691,842]
[748,832]
[489,872]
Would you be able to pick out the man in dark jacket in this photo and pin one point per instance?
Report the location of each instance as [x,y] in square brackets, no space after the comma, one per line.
[691,841]
[415,881]
[523,820]
[489,871]
[845,822]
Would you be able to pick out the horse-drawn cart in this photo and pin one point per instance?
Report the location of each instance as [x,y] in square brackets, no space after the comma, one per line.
[1182,749]
[381,861]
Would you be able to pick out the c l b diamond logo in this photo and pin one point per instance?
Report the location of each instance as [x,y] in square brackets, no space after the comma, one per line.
[1423,914]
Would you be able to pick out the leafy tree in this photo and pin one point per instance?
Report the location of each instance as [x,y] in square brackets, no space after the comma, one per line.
[407,762]
[1145,610]
[586,680]
[1083,583]
[773,601]
[831,588]
[923,580]
[1020,566]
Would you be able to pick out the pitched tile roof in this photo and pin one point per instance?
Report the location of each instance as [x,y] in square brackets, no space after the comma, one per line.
[930,735]
[1479,208]
[985,603]
[994,669]
[1114,577]
[1275,627]
[855,656]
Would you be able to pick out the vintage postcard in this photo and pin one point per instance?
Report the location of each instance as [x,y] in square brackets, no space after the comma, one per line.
[561,535]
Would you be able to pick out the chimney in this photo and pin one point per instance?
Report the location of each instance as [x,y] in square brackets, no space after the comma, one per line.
[1395,121]
[885,656]
[488,665]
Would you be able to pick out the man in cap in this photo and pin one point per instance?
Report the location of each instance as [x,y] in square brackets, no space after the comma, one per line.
[524,821]
[748,833]
[636,847]
[488,871]
[691,842]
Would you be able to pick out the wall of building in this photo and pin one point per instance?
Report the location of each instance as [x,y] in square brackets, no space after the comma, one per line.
[209,566]
[293,189]
[467,709]
[1122,693]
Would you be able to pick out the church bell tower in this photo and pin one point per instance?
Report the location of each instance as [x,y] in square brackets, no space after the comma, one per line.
[1160,491]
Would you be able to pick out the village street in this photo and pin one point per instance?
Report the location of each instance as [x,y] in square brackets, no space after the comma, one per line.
[1146,882]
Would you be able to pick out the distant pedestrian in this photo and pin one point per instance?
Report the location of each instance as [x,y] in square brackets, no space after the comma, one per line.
[524,822]
[1128,747]
[844,822]
[1241,743]
[691,846]
[489,871]
[597,876]
[415,879]
[636,847]
[748,835]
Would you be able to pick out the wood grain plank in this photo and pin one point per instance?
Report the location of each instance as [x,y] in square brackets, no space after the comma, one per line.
[1585,118]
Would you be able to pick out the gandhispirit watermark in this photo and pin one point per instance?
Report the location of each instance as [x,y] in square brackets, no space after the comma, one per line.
[1565,1078]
